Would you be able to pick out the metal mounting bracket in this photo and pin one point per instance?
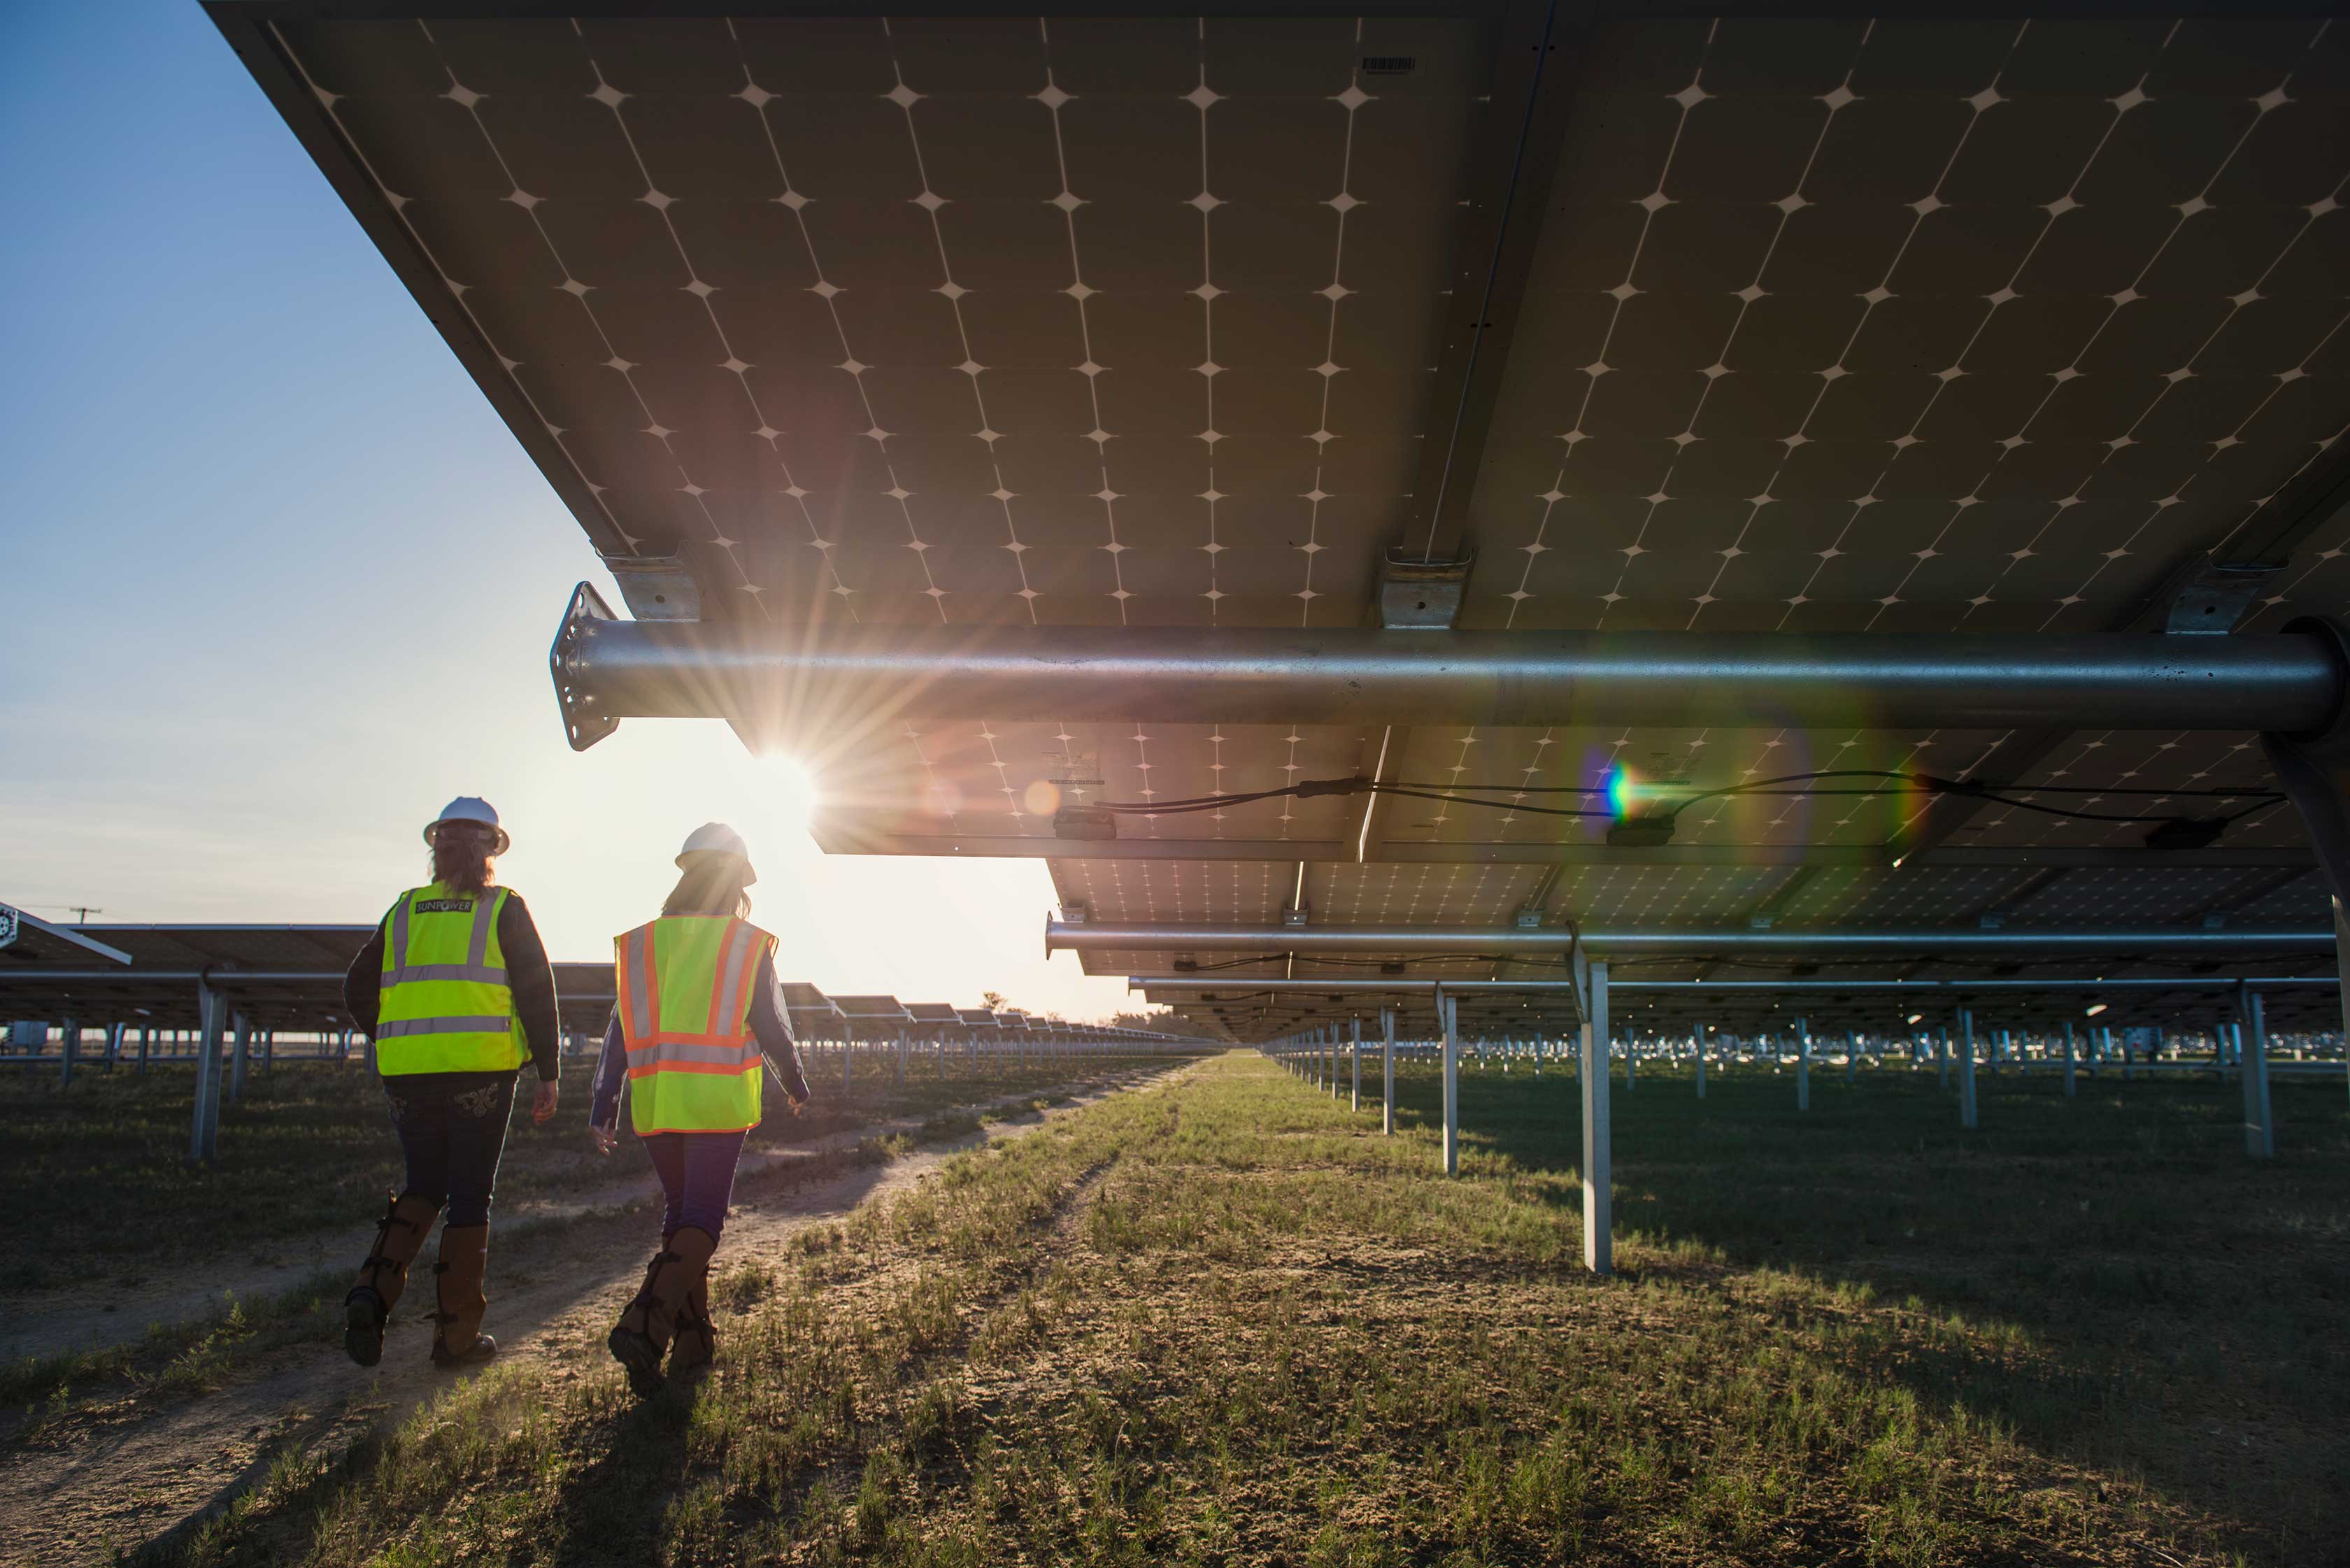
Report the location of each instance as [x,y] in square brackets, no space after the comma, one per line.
[657,587]
[584,721]
[2204,597]
[1421,595]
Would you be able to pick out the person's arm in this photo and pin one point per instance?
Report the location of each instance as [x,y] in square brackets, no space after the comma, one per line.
[531,979]
[772,1023]
[363,982]
[612,1074]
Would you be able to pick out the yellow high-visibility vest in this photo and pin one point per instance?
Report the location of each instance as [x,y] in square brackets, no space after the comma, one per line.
[446,1006]
[685,984]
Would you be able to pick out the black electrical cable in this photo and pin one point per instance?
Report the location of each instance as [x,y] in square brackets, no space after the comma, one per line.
[1472,794]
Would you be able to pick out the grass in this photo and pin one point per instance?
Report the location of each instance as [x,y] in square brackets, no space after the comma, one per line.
[1226,1322]
[309,1149]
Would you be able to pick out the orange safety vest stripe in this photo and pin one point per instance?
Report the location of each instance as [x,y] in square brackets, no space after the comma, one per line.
[726,1048]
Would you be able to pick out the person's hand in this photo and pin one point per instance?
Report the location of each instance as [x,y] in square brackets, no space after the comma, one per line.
[542,1104]
[607,1138]
[799,1105]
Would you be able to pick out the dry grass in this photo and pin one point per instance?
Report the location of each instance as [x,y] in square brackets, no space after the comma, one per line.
[1226,1322]
[310,1149]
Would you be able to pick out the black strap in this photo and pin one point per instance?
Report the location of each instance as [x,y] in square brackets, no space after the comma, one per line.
[652,1273]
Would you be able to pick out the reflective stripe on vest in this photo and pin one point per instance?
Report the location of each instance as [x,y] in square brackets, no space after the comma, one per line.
[685,984]
[434,1012]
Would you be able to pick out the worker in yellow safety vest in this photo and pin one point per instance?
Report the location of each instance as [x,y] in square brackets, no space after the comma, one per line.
[698,1010]
[455,994]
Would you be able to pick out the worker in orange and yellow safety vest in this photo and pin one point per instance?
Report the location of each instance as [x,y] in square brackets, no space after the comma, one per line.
[698,1010]
[455,992]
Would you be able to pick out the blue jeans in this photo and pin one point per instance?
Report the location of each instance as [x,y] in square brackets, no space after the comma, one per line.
[697,1175]
[452,1130]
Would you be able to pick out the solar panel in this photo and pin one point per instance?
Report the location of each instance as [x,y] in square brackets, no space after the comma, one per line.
[1895,325]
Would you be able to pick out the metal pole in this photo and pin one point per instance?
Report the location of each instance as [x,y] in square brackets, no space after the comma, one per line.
[1599,1243]
[1449,1020]
[1967,1069]
[1700,1061]
[848,1047]
[2342,965]
[607,669]
[1803,1064]
[2068,1059]
[2259,1128]
[1655,941]
[1942,1059]
[69,1049]
[236,1064]
[210,1007]
[268,1050]
[145,1031]
[1355,1095]
[1851,1056]
[114,1043]
[1386,1060]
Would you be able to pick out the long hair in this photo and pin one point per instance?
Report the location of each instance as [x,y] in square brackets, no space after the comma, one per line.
[460,857]
[714,885]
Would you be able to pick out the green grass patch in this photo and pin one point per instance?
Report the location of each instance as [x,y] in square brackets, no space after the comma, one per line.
[1225,1321]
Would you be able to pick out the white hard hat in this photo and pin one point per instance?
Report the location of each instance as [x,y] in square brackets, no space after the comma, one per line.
[471,808]
[716,838]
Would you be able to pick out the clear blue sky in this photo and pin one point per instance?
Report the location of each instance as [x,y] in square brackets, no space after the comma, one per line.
[277,583]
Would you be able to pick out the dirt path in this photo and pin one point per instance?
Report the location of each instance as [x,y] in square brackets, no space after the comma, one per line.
[117,1478]
[102,1313]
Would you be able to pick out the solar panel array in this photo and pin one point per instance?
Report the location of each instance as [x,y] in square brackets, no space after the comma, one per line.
[1888,324]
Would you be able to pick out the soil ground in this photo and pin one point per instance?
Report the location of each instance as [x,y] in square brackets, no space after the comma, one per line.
[1221,1319]
[129,1448]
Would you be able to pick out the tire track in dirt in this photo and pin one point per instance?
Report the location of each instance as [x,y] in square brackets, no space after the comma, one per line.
[134,1475]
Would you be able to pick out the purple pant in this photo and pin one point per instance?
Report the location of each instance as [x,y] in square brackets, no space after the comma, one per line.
[697,1173]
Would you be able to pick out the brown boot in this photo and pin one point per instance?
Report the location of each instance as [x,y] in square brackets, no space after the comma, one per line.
[638,1340]
[367,1309]
[696,1341]
[464,1261]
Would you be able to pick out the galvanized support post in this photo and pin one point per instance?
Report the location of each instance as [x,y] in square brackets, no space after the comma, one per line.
[1803,1064]
[268,1050]
[1386,1067]
[146,1031]
[1448,1018]
[2342,968]
[1699,1032]
[1942,1058]
[1598,1242]
[237,1065]
[113,1045]
[848,1049]
[1354,1098]
[901,1058]
[1966,1067]
[68,1050]
[2259,1128]
[2068,1059]
[1629,1043]
[1851,1056]
[211,1013]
